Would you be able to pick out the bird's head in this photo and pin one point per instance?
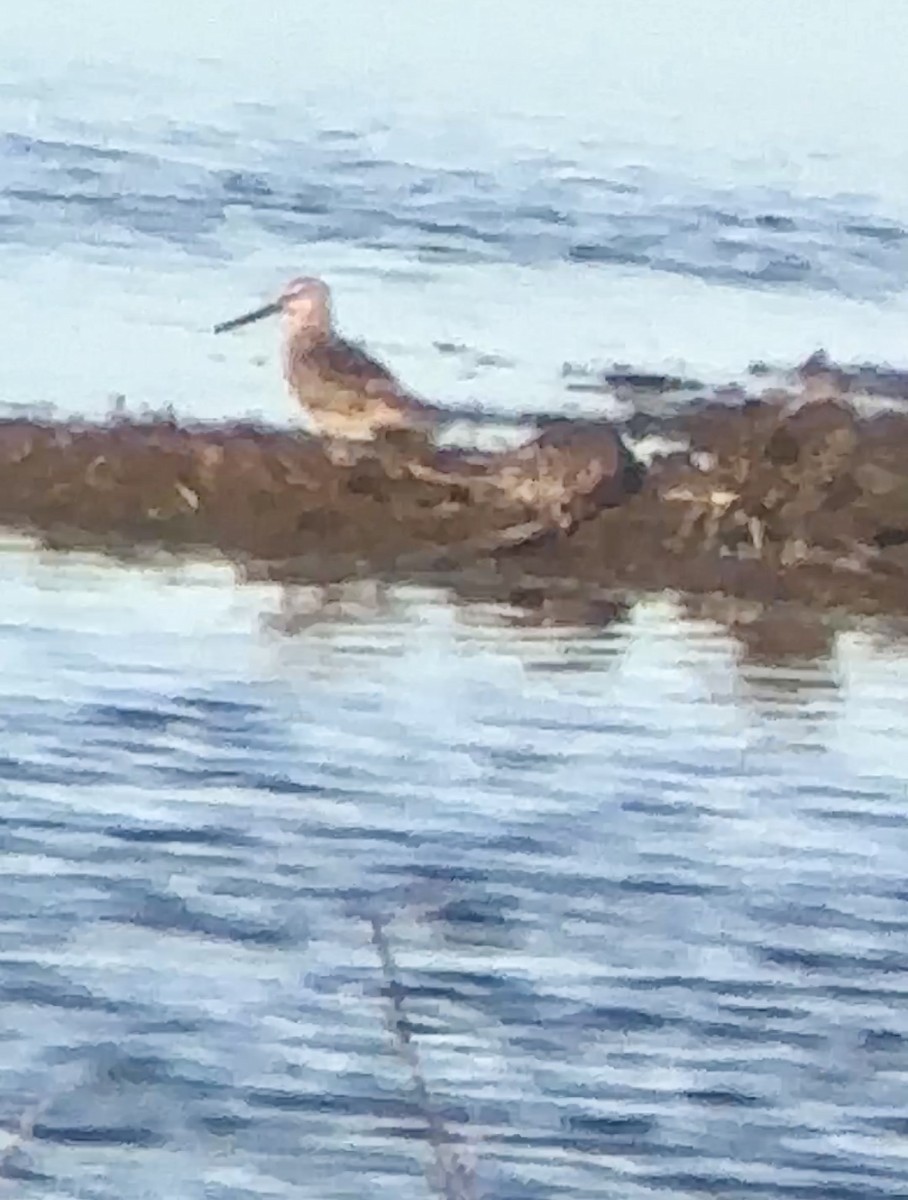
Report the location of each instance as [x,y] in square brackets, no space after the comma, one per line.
[305,304]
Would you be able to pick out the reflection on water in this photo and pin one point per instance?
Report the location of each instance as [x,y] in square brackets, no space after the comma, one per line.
[646,894]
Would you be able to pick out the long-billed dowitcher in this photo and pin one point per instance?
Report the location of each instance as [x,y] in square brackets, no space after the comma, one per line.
[349,395]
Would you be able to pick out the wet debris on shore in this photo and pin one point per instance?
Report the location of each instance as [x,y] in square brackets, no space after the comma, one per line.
[275,496]
[795,497]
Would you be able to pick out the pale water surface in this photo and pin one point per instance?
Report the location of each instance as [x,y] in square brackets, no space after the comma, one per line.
[648,896]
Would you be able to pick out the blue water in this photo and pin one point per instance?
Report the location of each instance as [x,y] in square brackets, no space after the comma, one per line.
[348,186]
[647,893]
[648,899]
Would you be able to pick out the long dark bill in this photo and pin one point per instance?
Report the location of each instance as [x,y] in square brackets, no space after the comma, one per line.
[267,310]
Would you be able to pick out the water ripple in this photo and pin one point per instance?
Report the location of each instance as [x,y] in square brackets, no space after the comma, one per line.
[646,943]
[536,209]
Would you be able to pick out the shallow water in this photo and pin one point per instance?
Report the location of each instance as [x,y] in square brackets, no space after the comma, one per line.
[648,901]
[646,888]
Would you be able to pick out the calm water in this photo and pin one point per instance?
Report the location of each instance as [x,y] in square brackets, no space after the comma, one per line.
[648,898]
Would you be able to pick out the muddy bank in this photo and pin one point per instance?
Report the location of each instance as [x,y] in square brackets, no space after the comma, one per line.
[770,503]
[278,497]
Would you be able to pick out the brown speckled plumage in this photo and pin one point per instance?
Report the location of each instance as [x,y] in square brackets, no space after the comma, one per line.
[346,392]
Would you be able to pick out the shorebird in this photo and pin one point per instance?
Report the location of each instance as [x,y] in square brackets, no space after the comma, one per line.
[568,472]
[349,395]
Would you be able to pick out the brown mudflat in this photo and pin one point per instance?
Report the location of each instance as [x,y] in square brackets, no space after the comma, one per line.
[809,506]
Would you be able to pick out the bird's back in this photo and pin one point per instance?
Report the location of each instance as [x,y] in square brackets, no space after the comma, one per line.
[340,379]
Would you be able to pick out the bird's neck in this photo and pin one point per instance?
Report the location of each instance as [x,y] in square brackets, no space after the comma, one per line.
[302,339]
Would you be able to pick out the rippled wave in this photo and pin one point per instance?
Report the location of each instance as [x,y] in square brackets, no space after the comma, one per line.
[649,916]
[335,186]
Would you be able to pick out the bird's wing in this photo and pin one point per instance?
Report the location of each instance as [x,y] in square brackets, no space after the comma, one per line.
[348,366]
[348,363]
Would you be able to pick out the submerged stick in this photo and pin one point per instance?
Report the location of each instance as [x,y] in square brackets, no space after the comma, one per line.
[451,1179]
